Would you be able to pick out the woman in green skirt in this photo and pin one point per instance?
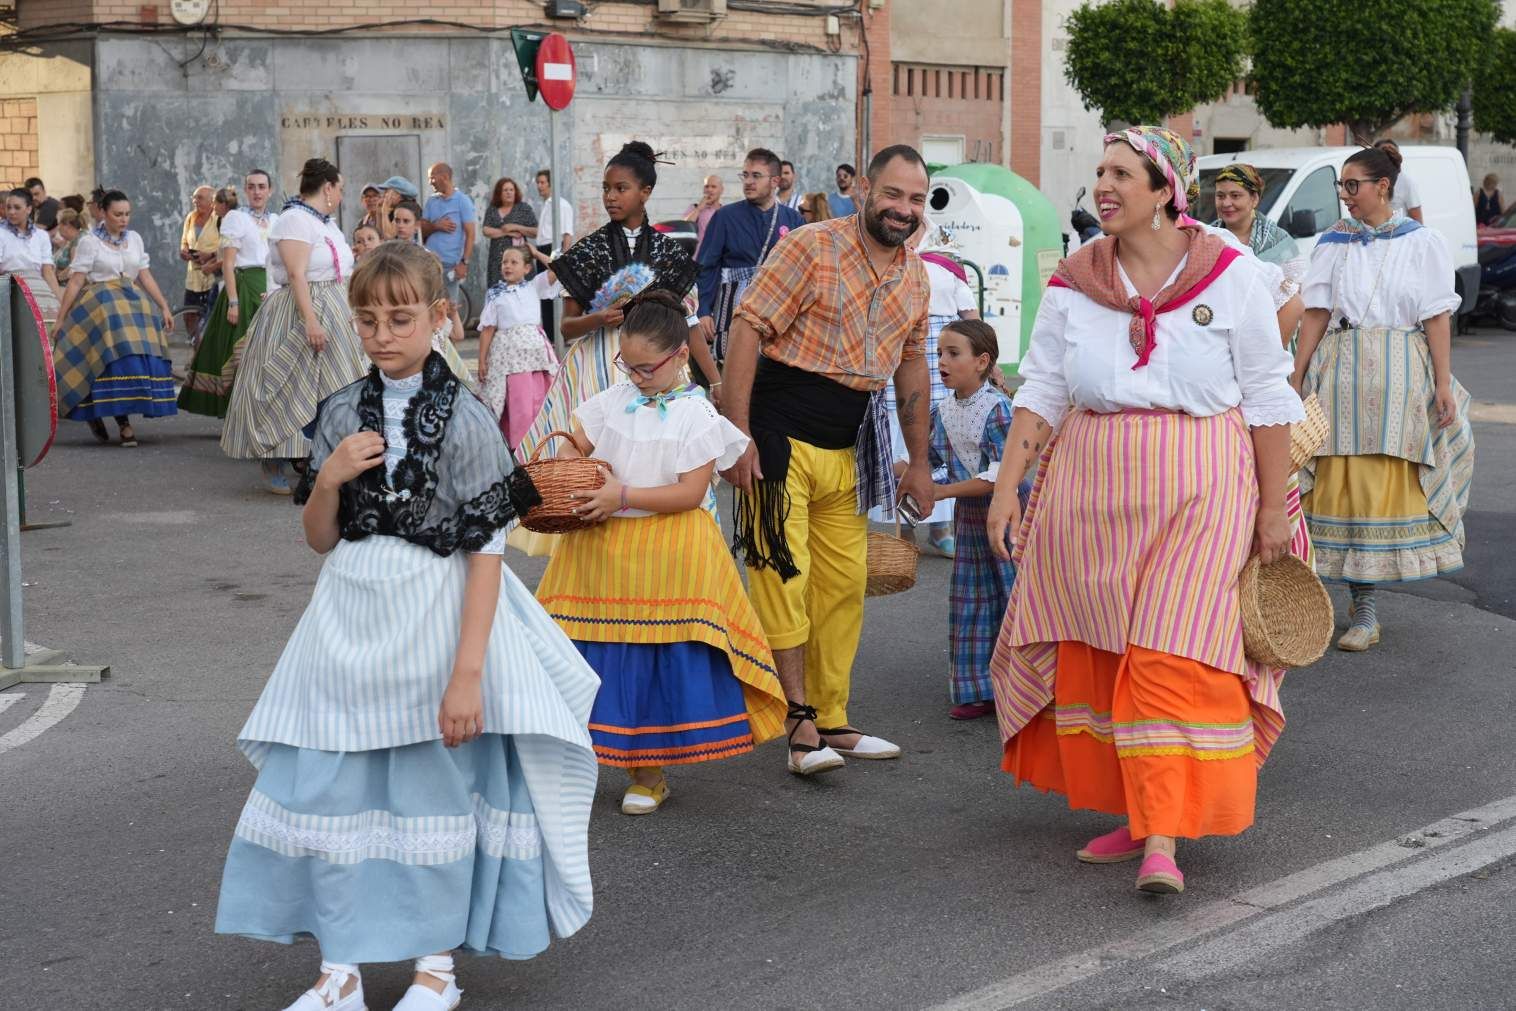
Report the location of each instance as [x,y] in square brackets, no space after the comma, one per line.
[208,385]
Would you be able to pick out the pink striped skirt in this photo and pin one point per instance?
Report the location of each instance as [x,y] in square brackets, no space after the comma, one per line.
[1137,528]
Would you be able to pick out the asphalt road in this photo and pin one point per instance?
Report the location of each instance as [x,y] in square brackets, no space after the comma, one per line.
[919,883]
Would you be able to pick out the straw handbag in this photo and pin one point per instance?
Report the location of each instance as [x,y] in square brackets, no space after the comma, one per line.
[1286,613]
[556,479]
[1307,436]
[892,563]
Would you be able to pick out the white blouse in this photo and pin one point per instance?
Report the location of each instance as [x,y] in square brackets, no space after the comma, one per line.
[1282,284]
[1407,194]
[950,294]
[1408,280]
[963,419]
[1219,351]
[240,231]
[646,449]
[29,252]
[100,261]
[398,394]
[517,304]
[331,257]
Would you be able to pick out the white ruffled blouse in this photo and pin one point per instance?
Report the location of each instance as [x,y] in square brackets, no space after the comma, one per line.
[1387,282]
[646,448]
[1219,351]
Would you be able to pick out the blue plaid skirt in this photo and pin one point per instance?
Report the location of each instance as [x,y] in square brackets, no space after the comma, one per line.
[978,594]
[110,358]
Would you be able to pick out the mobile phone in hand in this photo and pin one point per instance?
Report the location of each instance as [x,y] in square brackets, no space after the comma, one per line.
[910,509]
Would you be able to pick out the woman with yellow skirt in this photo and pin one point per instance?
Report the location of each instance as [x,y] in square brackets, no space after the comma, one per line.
[1386,495]
[1119,674]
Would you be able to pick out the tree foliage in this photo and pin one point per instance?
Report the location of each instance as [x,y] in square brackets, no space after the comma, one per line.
[1495,88]
[1140,62]
[1366,63]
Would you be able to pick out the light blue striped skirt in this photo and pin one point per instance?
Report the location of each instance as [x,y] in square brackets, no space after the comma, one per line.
[383,856]
[362,830]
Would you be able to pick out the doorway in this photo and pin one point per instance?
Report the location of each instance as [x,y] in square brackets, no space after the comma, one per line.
[370,159]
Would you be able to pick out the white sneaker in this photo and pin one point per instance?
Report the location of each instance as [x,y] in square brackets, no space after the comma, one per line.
[423,998]
[328,996]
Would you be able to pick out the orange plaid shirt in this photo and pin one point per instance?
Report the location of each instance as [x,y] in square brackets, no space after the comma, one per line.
[818,305]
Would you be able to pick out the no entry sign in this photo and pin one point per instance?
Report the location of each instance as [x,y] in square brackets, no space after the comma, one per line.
[555,71]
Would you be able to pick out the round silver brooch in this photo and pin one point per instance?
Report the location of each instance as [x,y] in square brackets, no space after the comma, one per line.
[1202,315]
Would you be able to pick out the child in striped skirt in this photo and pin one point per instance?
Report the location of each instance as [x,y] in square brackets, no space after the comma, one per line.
[424,771]
[649,593]
[968,439]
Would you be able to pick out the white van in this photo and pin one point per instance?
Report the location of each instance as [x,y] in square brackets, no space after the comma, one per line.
[1300,194]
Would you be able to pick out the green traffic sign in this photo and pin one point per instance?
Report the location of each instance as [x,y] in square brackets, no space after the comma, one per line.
[527,43]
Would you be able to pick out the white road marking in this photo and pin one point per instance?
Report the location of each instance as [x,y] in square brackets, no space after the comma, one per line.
[6,701]
[61,701]
[1247,940]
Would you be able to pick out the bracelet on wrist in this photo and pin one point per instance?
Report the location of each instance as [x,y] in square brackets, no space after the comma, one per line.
[624,505]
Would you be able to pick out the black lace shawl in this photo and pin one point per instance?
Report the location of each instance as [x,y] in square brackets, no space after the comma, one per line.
[457,484]
[593,259]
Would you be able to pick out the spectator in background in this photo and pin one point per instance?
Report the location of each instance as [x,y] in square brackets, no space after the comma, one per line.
[372,197]
[405,221]
[564,226]
[392,192]
[26,252]
[740,237]
[447,226]
[1488,204]
[789,193]
[366,239]
[193,239]
[44,208]
[74,202]
[815,207]
[65,238]
[841,202]
[1407,196]
[509,221]
[710,203]
[95,215]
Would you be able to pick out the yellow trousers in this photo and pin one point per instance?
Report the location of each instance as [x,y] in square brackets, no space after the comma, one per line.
[821,608]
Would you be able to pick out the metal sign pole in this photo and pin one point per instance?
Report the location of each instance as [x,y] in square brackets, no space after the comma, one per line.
[11,633]
[552,217]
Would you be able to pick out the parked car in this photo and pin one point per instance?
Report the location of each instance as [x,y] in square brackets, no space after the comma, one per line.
[1300,194]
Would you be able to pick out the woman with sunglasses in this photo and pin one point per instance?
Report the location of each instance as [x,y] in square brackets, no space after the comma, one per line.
[649,592]
[1386,495]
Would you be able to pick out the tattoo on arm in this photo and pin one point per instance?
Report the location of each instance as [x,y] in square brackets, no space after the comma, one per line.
[908,409]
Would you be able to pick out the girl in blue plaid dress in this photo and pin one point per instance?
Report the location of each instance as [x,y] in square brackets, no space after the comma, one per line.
[968,439]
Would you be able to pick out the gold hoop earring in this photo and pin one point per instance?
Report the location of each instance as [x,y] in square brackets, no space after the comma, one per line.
[1157,211]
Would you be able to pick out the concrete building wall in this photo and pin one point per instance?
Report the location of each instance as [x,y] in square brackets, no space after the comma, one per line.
[54,86]
[1071,134]
[610,16]
[272,103]
[964,33]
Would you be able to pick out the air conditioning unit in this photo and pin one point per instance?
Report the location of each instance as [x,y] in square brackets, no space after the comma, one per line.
[691,10]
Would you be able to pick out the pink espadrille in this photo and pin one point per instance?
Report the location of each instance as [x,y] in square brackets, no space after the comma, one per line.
[1160,875]
[1111,848]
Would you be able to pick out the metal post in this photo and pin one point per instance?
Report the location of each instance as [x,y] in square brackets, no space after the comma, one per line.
[11,632]
[1465,121]
[552,217]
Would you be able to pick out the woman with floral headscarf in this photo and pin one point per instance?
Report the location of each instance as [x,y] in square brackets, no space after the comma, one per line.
[1239,188]
[1119,673]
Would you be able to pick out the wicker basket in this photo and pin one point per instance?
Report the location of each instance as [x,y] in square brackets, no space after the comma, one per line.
[555,479]
[1307,436]
[1286,613]
[892,563]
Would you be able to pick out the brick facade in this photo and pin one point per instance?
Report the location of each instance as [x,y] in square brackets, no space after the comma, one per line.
[948,101]
[18,141]
[1026,90]
[288,15]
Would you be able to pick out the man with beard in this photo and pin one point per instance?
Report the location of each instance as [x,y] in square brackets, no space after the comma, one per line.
[836,311]
[738,239]
[789,194]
